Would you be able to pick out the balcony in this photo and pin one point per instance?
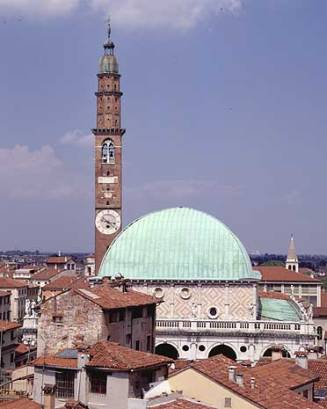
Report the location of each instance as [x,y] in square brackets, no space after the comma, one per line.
[221,328]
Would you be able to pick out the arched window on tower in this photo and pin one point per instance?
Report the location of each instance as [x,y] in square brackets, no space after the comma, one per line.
[108,152]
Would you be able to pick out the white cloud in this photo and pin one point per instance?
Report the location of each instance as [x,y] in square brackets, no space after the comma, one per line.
[178,190]
[180,14]
[38,174]
[38,7]
[77,138]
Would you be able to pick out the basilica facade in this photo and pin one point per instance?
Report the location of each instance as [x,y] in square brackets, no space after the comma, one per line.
[194,265]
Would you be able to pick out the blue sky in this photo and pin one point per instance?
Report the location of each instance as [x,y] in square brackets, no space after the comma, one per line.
[224,105]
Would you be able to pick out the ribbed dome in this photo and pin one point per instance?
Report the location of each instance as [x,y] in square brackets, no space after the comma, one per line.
[177,244]
[109,64]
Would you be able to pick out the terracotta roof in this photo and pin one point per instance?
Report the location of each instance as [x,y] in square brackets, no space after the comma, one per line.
[278,273]
[66,283]
[318,367]
[46,274]
[22,403]
[285,371]
[4,293]
[110,355]
[7,325]
[110,298]
[274,295]
[58,259]
[21,349]
[268,392]
[11,283]
[181,404]
[55,361]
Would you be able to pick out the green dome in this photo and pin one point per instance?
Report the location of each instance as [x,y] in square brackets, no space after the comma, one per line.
[177,244]
[109,64]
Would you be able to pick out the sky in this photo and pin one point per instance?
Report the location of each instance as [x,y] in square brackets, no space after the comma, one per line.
[224,105]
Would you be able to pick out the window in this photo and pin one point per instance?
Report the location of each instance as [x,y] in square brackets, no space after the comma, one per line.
[121,316]
[137,312]
[137,345]
[108,152]
[228,402]
[12,357]
[65,384]
[148,343]
[98,383]
[58,319]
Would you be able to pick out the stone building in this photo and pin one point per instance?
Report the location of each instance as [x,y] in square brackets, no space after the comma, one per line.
[61,263]
[19,292]
[8,342]
[210,295]
[106,375]
[5,305]
[93,314]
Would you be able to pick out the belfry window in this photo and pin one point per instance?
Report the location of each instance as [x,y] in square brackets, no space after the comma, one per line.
[108,152]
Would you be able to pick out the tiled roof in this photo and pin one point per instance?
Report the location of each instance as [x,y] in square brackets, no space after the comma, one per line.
[66,283]
[181,404]
[46,274]
[113,356]
[54,361]
[58,259]
[11,283]
[318,367]
[4,293]
[273,294]
[285,371]
[268,392]
[278,273]
[7,325]
[22,403]
[110,298]
[21,349]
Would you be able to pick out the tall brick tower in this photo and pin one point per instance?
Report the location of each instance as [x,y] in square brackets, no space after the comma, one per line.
[108,153]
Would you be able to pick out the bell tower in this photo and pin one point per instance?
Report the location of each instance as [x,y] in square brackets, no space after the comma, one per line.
[108,153]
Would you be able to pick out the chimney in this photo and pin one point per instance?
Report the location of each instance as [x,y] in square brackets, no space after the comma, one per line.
[231,373]
[49,396]
[239,379]
[276,352]
[301,359]
[252,383]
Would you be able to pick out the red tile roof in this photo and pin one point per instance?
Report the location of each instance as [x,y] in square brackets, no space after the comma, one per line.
[181,403]
[11,283]
[8,325]
[21,349]
[66,283]
[46,273]
[56,362]
[273,294]
[113,356]
[22,403]
[110,298]
[58,259]
[268,392]
[285,371]
[4,293]
[277,274]
[318,367]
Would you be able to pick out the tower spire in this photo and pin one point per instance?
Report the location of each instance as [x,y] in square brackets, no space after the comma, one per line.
[109,46]
[292,262]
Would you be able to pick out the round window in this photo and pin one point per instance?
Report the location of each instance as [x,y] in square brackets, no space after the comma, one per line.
[243,348]
[213,312]
[202,348]
[185,348]
[185,293]
[158,292]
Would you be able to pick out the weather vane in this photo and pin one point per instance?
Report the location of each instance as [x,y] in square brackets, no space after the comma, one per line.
[108,21]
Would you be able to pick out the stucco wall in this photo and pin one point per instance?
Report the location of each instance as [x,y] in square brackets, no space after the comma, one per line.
[198,387]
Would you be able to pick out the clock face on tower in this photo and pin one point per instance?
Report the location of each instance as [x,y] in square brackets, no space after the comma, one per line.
[108,221]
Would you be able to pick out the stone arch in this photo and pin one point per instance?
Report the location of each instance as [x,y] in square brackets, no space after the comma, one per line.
[224,349]
[268,352]
[168,350]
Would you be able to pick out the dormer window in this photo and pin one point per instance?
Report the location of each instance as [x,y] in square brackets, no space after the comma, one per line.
[108,152]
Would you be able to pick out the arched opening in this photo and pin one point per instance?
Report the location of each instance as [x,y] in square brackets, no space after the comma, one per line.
[108,152]
[167,350]
[319,332]
[268,353]
[223,349]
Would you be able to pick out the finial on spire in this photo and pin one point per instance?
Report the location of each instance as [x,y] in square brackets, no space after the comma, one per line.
[109,26]
[109,45]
